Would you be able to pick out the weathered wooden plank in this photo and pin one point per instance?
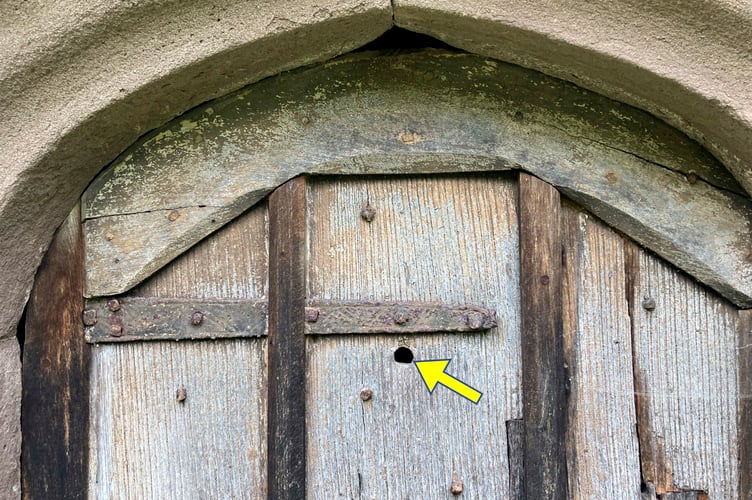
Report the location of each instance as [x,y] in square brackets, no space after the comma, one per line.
[602,449]
[146,442]
[685,495]
[544,377]
[54,409]
[286,468]
[418,113]
[398,318]
[515,449]
[686,389]
[438,239]
[138,318]
[149,444]
[744,405]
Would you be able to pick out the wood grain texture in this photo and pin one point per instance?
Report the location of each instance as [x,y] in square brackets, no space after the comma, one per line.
[543,372]
[602,449]
[286,469]
[441,239]
[416,113]
[685,354]
[147,444]
[56,362]
[515,452]
[744,418]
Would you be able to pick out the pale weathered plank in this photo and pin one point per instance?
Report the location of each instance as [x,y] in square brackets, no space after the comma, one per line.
[602,449]
[147,444]
[685,355]
[543,373]
[744,405]
[436,239]
[422,112]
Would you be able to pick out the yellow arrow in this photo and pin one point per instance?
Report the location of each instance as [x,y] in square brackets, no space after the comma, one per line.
[433,372]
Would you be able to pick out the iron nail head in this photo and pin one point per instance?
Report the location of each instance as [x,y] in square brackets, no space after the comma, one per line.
[648,303]
[366,394]
[90,317]
[367,213]
[181,394]
[456,488]
[197,318]
[311,314]
[401,316]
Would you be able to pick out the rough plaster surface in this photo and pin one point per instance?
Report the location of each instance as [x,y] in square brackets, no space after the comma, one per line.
[80,81]
[10,418]
[689,63]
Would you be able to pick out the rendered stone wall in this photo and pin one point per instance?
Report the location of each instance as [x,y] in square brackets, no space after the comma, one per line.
[82,80]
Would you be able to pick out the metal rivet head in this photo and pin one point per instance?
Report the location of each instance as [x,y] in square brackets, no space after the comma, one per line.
[197,318]
[90,317]
[401,316]
[692,178]
[456,488]
[648,303]
[474,320]
[173,216]
[366,394]
[116,330]
[367,213]
[311,314]
[181,394]
[113,305]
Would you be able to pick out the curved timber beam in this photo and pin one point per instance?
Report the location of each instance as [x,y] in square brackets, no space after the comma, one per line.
[422,112]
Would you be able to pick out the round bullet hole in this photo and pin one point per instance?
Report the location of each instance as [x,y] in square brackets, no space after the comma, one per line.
[403,355]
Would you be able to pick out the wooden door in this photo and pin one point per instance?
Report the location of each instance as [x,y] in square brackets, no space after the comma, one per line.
[272,391]
[443,240]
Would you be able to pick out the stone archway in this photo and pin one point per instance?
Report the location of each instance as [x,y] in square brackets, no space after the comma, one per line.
[84,82]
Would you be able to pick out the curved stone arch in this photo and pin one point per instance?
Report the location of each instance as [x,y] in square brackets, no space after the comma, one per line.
[422,112]
[81,81]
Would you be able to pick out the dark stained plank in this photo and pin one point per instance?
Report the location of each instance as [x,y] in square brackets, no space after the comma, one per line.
[515,447]
[543,372]
[286,341]
[56,361]
[744,417]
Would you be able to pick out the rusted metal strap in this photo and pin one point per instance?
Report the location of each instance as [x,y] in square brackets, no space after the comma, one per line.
[172,319]
[327,318]
[131,319]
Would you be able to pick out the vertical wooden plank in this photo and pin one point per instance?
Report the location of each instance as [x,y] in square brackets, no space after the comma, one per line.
[602,449]
[544,377]
[438,239]
[147,444]
[287,355]
[744,405]
[515,448]
[685,352]
[56,360]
